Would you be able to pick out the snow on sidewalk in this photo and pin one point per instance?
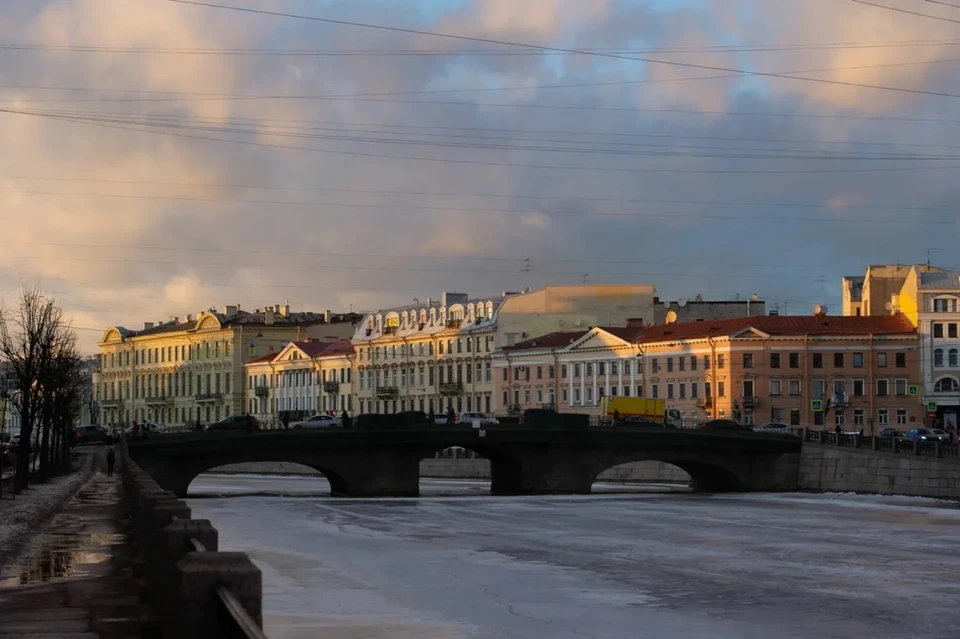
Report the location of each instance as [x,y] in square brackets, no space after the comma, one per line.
[23,517]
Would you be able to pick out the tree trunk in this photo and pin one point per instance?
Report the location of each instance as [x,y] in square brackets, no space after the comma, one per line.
[23,450]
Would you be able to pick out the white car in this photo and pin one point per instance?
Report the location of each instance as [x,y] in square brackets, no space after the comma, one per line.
[146,425]
[471,418]
[318,421]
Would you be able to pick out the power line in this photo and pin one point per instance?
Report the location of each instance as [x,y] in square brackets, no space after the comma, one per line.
[448,161]
[879,6]
[944,4]
[688,65]
[640,216]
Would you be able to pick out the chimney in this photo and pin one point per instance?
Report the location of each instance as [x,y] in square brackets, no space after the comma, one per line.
[326,316]
[268,317]
[229,311]
[285,309]
[147,326]
[189,317]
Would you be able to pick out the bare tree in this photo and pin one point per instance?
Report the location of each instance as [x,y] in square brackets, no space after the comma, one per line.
[40,349]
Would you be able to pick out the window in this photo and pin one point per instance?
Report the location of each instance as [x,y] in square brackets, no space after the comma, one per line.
[669,391]
[858,417]
[601,368]
[539,395]
[516,374]
[900,387]
[683,391]
[952,360]
[693,390]
[937,329]
[682,363]
[706,390]
[819,388]
[626,368]
[748,360]
[901,360]
[693,362]
[721,359]
[883,387]
[775,386]
[655,365]
[794,388]
[748,388]
[839,388]
[721,387]
[506,375]
[938,357]
[881,360]
[945,306]
[818,360]
[794,360]
[576,396]
[946,385]
[706,362]
[506,398]
[901,416]
[794,416]
[838,360]
[526,396]
[669,364]
[858,360]
[859,388]
[654,391]
[589,370]
[563,395]
[839,417]
[951,330]
[775,361]
[576,370]
[563,370]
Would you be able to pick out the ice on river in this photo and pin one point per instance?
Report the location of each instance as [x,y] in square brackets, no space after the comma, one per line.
[609,566]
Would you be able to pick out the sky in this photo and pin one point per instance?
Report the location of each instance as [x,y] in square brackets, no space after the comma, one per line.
[162,158]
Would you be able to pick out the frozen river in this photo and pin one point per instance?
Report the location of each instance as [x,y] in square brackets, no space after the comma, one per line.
[619,565]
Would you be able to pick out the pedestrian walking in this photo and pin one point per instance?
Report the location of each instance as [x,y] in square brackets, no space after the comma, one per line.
[345,419]
[286,420]
[111,459]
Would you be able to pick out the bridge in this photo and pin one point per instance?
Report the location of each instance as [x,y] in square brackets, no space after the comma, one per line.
[523,461]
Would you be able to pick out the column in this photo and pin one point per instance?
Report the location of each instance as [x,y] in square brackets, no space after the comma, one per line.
[596,366]
[606,371]
[583,377]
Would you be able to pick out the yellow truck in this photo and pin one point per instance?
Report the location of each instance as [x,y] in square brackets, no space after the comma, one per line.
[651,410]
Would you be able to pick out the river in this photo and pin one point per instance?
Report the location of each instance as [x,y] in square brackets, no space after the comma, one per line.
[629,563]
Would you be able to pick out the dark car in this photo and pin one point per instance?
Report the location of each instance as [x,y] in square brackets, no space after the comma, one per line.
[91,435]
[538,416]
[413,418]
[726,424]
[247,423]
[889,433]
[922,435]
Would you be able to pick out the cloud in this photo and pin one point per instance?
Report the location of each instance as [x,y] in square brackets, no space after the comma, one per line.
[161,196]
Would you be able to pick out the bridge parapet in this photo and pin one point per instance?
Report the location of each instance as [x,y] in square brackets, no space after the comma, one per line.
[899,446]
[193,589]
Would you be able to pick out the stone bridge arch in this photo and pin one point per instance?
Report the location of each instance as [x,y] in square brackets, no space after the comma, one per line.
[707,472]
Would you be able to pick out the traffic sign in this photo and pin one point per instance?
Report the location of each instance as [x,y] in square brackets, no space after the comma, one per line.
[913,390]
[816,405]
[931,406]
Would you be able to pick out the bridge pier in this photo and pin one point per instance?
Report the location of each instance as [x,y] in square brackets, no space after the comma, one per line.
[542,472]
[378,474]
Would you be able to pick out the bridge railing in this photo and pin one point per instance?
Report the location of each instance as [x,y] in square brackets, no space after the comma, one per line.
[896,445]
[193,589]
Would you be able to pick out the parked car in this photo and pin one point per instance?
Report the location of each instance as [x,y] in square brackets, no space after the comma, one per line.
[470,418]
[145,426]
[889,433]
[91,435]
[725,424]
[538,415]
[942,436]
[247,423]
[318,422]
[922,435]
[414,418]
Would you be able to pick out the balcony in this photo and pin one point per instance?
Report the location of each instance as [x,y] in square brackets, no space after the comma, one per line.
[262,391]
[389,330]
[208,397]
[704,402]
[748,401]
[388,392]
[331,387]
[451,388]
[454,323]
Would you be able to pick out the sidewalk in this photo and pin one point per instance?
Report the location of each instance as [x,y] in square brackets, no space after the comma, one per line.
[74,580]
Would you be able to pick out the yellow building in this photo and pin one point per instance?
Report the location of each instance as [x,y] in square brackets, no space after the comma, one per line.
[437,356]
[191,369]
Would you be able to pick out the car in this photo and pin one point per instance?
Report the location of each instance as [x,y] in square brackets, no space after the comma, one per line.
[91,435]
[922,435]
[725,424]
[246,423]
[318,422]
[889,433]
[472,419]
[147,426]
[413,418]
[943,436]
[538,415]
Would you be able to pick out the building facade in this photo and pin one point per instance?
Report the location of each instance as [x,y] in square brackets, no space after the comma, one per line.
[183,371]
[438,356]
[303,379]
[863,372]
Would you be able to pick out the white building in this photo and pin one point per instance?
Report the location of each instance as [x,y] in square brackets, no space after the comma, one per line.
[938,312]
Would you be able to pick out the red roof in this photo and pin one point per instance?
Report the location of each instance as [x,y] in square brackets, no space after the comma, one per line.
[626,333]
[262,360]
[324,349]
[550,340]
[781,325]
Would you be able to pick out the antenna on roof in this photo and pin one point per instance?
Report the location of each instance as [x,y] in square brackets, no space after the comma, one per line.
[930,252]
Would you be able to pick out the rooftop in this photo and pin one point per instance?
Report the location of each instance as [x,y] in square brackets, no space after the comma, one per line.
[550,340]
[942,280]
[782,325]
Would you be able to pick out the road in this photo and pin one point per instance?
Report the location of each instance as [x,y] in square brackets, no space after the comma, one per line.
[607,566]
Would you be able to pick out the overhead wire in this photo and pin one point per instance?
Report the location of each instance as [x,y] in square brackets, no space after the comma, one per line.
[879,6]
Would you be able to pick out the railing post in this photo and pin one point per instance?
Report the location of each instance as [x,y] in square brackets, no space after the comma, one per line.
[893,444]
[174,544]
[916,447]
[198,607]
[873,443]
[936,448]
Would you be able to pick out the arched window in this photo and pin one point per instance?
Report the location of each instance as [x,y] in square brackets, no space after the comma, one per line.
[946,385]
[489,310]
[470,311]
[423,316]
[952,357]
[938,357]
[433,316]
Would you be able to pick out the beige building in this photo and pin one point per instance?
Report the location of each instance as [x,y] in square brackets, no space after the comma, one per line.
[303,379]
[190,369]
[437,355]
